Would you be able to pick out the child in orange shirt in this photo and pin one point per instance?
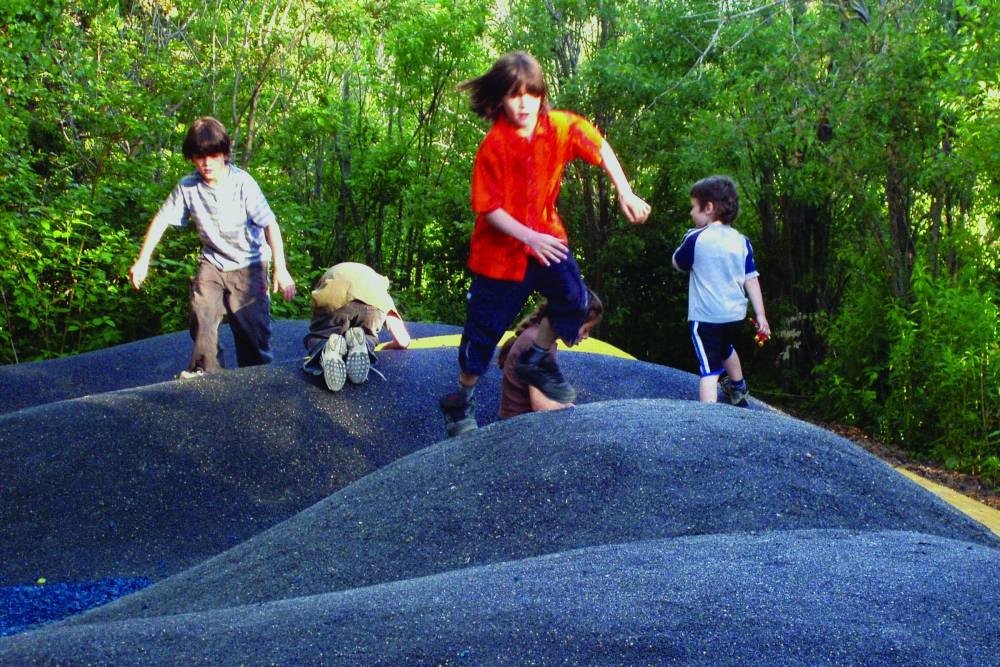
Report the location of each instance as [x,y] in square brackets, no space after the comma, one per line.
[519,245]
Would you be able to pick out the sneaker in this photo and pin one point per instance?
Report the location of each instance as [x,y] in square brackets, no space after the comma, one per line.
[358,363]
[190,375]
[459,413]
[546,376]
[332,360]
[737,396]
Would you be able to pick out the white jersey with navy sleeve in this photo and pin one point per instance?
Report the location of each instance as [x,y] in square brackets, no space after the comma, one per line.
[230,217]
[720,261]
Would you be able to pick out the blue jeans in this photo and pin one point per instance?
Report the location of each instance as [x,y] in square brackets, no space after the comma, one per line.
[493,305]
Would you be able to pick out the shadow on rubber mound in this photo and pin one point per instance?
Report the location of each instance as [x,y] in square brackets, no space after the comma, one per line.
[147,482]
[141,363]
[792,597]
[603,473]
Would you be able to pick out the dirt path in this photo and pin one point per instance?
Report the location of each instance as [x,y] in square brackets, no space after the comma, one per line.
[968,485]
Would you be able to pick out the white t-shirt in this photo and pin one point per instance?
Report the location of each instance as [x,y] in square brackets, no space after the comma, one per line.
[720,261]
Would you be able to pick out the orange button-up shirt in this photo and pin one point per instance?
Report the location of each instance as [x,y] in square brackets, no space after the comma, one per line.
[523,177]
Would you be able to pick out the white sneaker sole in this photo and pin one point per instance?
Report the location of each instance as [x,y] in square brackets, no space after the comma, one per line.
[358,363]
[334,368]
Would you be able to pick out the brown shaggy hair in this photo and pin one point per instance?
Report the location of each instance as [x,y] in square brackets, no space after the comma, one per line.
[510,74]
[206,136]
[721,191]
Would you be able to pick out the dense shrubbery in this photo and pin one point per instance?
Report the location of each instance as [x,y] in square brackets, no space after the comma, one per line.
[924,374]
[863,136]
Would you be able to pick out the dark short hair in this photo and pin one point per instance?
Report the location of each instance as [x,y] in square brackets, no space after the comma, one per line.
[511,73]
[720,191]
[595,308]
[206,136]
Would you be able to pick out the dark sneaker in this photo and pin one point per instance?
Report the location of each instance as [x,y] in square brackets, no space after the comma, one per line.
[334,368]
[459,413]
[736,396]
[358,363]
[546,376]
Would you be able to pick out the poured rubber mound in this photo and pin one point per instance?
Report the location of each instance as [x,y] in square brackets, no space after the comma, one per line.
[794,597]
[143,362]
[147,482]
[286,524]
[545,483]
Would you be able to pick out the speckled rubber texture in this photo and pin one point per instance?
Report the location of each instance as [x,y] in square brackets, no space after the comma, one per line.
[673,538]
[640,527]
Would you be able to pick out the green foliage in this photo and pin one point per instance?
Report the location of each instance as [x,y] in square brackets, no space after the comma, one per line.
[925,375]
[862,136]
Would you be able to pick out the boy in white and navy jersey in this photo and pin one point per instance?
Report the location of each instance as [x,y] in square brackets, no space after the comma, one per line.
[239,237]
[723,276]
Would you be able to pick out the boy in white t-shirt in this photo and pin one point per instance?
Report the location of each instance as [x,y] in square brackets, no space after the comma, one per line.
[722,277]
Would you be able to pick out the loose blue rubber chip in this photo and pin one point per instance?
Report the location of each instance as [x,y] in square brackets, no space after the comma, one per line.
[23,607]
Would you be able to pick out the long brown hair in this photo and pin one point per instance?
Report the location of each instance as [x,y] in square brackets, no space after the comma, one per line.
[511,73]
[595,311]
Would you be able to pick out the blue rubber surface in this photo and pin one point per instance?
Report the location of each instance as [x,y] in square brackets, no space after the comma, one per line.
[22,607]
[145,362]
[286,524]
[545,483]
[147,482]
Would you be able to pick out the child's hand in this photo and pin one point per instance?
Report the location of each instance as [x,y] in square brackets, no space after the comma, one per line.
[763,327]
[549,249]
[283,283]
[634,208]
[138,273]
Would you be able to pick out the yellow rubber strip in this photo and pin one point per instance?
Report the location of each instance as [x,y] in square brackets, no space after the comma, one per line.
[984,514]
[591,345]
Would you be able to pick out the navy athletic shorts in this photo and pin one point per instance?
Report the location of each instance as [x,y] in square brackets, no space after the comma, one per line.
[713,343]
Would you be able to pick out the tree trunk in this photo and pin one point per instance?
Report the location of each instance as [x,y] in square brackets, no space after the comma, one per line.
[902,248]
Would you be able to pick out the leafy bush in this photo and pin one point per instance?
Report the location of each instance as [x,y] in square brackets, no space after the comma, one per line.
[924,374]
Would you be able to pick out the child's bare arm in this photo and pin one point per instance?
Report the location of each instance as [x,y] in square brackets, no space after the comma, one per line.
[283,281]
[542,403]
[400,336]
[140,269]
[634,208]
[757,301]
[549,249]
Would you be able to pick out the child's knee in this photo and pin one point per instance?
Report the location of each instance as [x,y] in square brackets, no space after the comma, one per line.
[567,318]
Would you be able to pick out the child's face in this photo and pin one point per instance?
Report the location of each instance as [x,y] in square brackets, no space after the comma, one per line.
[522,108]
[702,216]
[211,166]
[584,332]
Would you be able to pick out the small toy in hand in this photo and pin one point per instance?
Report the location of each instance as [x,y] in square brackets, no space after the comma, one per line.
[759,336]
